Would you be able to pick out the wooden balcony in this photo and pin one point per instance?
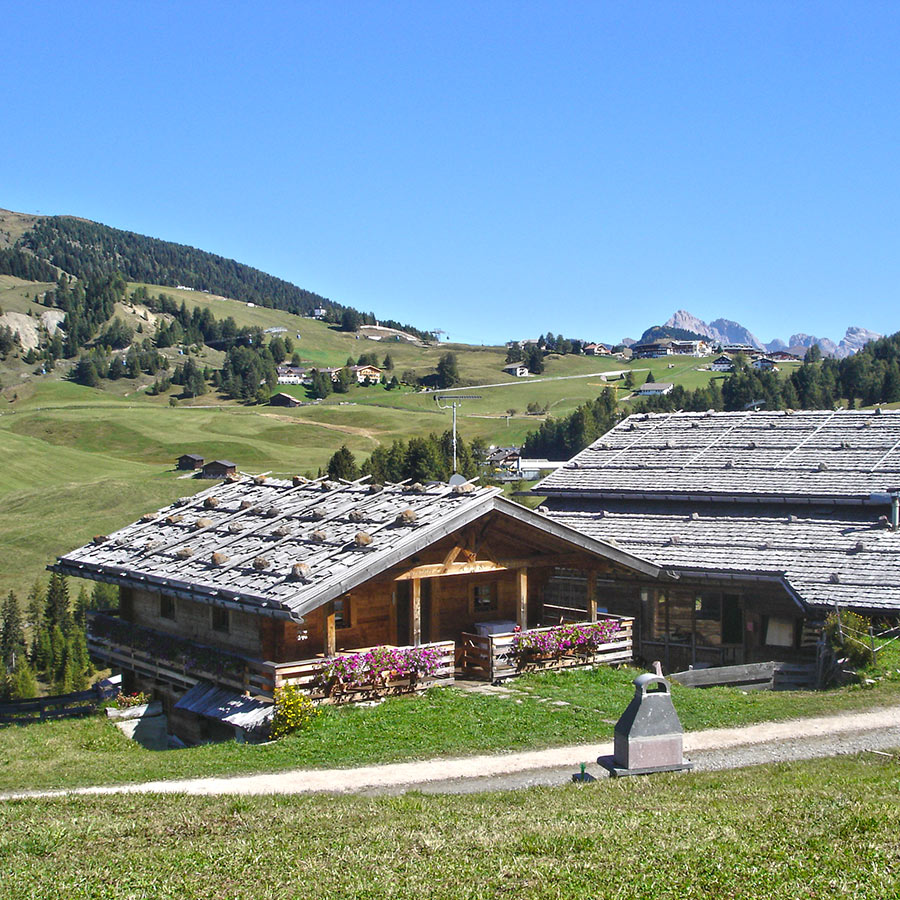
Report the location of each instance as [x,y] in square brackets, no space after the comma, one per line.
[491,657]
[179,662]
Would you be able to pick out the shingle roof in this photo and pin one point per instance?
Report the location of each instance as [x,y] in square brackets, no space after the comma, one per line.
[824,557]
[285,548]
[844,456]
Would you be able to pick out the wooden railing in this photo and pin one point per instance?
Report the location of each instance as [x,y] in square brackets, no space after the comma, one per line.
[245,673]
[256,676]
[304,675]
[59,706]
[490,657]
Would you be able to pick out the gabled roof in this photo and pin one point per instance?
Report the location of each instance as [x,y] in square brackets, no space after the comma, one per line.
[283,549]
[843,556]
[842,456]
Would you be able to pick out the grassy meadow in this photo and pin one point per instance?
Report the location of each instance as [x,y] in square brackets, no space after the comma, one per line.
[553,709]
[818,829]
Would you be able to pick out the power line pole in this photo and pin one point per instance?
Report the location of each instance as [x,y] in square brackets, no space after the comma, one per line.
[454,404]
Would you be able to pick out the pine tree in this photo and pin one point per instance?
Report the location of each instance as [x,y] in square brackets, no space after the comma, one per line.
[57,653]
[12,635]
[343,465]
[22,685]
[57,609]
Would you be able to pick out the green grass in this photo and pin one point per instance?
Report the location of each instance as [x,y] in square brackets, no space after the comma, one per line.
[821,829]
[442,722]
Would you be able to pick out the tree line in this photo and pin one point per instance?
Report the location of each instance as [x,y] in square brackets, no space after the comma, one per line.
[420,459]
[46,643]
[89,250]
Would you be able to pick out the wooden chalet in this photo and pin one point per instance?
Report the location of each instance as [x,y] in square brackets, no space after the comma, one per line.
[189,461]
[254,582]
[283,399]
[219,468]
[764,521]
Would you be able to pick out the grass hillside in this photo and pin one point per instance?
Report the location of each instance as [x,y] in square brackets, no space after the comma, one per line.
[819,829]
[80,461]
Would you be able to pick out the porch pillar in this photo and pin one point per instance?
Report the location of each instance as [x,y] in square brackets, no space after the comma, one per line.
[592,594]
[416,617]
[330,641]
[522,598]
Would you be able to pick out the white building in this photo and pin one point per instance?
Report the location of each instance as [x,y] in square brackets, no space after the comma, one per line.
[656,389]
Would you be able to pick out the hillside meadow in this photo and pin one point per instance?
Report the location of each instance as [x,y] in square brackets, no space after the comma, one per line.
[79,461]
[818,829]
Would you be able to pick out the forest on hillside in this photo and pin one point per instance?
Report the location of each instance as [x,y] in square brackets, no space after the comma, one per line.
[867,378]
[90,250]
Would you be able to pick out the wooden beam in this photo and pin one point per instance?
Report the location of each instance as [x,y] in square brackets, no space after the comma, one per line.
[330,641]
[416,613]
[436,571]
[450,558]
[592,594]
[522,598]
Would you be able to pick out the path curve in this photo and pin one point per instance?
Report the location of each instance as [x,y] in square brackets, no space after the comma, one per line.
[715,748]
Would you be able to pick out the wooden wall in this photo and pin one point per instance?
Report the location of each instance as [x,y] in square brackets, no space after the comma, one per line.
[193,621]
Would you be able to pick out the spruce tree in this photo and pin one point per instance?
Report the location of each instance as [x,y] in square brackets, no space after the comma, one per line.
[22,685]
[12,635]
[56,610]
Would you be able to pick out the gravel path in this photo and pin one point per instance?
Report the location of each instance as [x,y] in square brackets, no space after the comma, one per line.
[719,748]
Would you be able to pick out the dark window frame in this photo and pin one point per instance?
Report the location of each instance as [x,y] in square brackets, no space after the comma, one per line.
[220,617]
[167,607]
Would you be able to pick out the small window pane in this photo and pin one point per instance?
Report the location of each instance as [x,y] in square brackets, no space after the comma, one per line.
[485,597]
[342,613]
[220,619]
[166,607]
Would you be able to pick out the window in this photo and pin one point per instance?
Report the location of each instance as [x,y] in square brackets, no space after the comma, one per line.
[342,612]
[484,597]
[221,619]
[166,607]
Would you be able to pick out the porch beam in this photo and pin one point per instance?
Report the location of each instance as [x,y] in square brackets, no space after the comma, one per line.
[592,594]
[436,571]
[330,639]
[522,597]
[416,616]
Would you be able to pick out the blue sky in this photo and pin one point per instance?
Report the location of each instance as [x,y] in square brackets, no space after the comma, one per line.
[496,170]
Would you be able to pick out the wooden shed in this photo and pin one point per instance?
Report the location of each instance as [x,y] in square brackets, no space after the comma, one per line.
[219,468]
[189,461]
[283,399]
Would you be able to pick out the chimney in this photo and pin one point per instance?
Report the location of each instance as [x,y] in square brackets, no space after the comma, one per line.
[895,508]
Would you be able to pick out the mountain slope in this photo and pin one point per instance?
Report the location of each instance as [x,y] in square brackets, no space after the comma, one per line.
[88,249]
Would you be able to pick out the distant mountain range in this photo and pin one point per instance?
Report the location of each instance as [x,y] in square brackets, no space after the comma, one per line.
[730,332]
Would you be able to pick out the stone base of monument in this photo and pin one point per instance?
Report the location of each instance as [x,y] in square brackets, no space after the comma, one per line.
[617,771]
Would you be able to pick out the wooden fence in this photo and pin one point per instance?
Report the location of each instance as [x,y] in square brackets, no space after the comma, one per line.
[59,706]
[303,674]
[490,658]
[764,676]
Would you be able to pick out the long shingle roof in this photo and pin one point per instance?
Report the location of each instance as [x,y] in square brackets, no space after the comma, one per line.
[841,456]
[824,557]
[285,548]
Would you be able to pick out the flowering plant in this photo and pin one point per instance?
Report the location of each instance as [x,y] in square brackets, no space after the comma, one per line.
[378,666]
[127,701]
[293,711]
[580,638]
